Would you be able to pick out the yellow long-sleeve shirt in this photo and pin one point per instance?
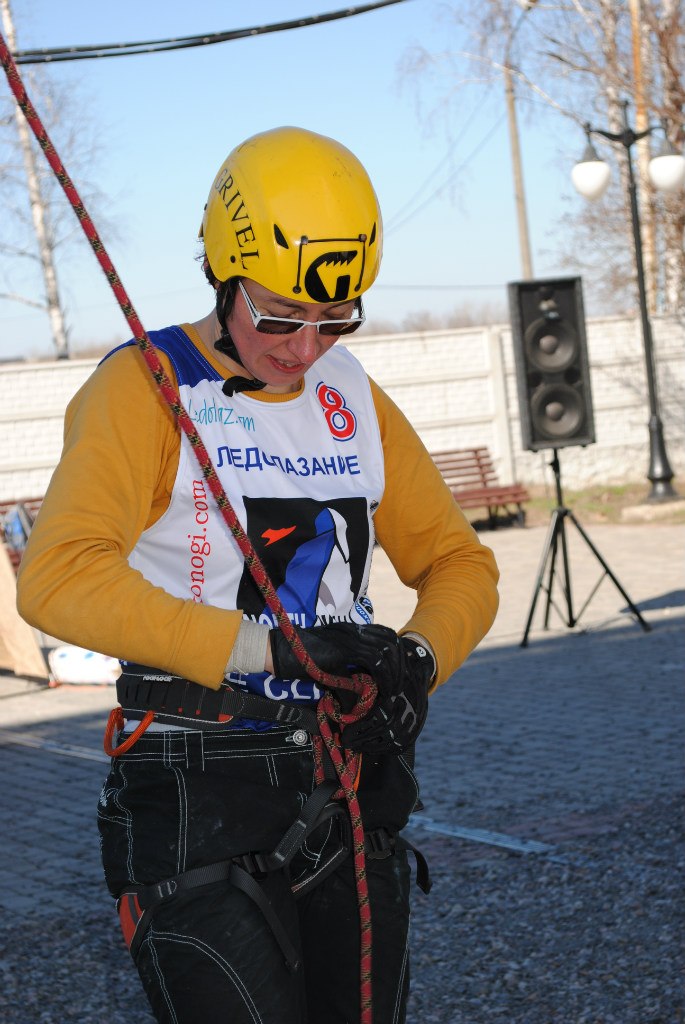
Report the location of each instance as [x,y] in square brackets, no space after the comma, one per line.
[115,479]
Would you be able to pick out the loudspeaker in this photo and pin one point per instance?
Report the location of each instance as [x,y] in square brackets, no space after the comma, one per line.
[552,370]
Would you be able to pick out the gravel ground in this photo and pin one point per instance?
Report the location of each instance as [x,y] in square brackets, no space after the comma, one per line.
[589,935]
[593,936]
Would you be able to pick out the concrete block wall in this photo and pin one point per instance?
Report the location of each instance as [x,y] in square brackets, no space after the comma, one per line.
[456,387]
[620,403]
[442,380]
[479,404]
[34,399]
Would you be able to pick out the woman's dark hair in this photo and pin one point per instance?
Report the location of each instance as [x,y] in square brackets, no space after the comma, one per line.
[225,297]
[225,291]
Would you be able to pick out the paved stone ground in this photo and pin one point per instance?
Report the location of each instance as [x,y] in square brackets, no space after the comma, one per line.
[574,742]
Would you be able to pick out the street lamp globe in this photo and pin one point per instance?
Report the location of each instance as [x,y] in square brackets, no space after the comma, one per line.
[591,174]
[667,169]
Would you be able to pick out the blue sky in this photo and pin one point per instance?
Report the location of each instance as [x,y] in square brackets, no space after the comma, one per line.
[166,121]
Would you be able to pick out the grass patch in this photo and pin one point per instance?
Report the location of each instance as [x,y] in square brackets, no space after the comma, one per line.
[596,504]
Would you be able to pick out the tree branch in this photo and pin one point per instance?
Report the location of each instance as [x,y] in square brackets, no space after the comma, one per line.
[12,297]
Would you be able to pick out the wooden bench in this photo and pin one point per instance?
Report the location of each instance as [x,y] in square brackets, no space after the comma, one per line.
[471,477]
[28,510]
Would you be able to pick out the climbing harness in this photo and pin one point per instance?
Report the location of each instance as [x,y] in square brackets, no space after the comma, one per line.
[172,700]
[144,693]
[137,903]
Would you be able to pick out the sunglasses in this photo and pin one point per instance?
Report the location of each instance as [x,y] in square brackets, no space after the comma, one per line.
[287,325]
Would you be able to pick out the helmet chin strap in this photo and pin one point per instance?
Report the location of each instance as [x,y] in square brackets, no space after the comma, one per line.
[234,385]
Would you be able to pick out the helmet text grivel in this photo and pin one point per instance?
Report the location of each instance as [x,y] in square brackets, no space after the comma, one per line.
[295,212]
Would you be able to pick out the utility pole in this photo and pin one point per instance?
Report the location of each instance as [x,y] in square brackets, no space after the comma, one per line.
[643,156]
[516,165]
[38,209]
[519,193]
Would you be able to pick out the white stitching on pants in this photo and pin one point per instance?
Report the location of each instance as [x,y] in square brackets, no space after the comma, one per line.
[410,773]
[160,979]
[271,769]
[307,851]
[182,820]
[223,964]
[398,998]
[129,824]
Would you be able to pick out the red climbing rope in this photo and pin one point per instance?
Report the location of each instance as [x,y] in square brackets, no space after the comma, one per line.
[328,710]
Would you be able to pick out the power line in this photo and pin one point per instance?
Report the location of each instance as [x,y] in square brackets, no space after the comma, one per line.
[398,214]
[417,209]
[64,53]
[179,291]
[438,287]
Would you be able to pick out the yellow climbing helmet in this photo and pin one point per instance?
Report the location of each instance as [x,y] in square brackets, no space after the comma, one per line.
[295,212]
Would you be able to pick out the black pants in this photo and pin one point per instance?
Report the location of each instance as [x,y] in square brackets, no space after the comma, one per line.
[177,801]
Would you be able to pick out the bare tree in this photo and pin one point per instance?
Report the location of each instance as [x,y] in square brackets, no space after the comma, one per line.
[582,58]
[462,315]
[39,212]
[37,223]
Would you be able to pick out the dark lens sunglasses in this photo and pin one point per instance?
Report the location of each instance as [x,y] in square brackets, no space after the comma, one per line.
[287,325]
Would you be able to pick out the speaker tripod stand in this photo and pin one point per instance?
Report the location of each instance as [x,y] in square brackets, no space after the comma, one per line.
[556,535]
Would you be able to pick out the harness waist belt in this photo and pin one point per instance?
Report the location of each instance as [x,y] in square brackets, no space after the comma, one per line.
[178,701]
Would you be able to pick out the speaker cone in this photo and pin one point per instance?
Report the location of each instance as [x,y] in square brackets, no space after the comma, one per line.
[551,345]
[557,411]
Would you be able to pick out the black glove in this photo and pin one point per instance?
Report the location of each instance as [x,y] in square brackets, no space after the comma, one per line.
[400,667]
[340,648]
[400,711]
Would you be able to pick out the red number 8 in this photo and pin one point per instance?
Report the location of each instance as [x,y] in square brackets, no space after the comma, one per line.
[341,421]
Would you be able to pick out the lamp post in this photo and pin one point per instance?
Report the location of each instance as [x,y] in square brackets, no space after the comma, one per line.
[667,171]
